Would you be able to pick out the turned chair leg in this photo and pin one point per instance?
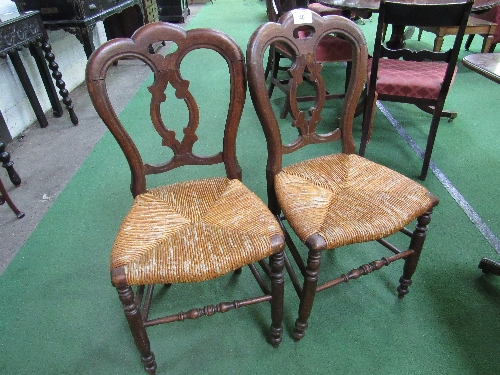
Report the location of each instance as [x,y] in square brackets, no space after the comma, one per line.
[308,293]
[133,315]
[277,290]
[416,244]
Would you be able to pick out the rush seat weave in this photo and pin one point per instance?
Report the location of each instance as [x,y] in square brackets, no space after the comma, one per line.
[348,199]
[193,231]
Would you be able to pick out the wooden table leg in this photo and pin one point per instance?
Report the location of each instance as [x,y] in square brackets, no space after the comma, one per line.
[9,165]
[37,54]
[28,87]
[4,197]
[14,177]
[49,56]
[397,37]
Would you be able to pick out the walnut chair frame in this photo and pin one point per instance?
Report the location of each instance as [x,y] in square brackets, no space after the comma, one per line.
[197,223]
[428,13]
[328,201]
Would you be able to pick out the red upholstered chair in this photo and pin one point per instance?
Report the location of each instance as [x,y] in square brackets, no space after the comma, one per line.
[331,49]
[421,77]
[185,231]
[491,15]
[317,185]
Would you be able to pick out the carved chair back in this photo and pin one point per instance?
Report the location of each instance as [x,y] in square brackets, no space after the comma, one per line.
[302,47]
[166,71]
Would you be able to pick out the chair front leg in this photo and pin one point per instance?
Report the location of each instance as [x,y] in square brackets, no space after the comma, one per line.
[277,291]
[308,293]
[133,315]
[416,244]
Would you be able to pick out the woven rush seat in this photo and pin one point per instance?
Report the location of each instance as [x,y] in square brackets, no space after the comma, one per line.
[222,216]
[353,199]
[414,79]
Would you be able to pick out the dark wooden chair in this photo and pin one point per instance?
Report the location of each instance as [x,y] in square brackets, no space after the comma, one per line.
[14,178]
[491,16]
[331,49]
[329,200]
[188,231]
[420,77]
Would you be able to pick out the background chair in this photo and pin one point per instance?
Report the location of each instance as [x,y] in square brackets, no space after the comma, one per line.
[475,26]
[332,49]
[421,77]
[329,200]
[188,231]
[492,16]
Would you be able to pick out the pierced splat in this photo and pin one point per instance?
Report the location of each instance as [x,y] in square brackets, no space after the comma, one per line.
[306,65]
[183,149]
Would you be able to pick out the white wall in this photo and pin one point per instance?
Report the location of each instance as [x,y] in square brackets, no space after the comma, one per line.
[70,57]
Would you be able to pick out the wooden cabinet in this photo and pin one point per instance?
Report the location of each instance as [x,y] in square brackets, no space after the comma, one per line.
[173,10]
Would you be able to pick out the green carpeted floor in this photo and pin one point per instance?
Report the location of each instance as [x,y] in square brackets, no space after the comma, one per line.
[60,315]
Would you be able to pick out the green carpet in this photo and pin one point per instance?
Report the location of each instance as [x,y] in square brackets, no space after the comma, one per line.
[60,314]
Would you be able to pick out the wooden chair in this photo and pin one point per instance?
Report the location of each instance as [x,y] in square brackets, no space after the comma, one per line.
[491,16]
[188,231]
[421,77]
[332,49]
[475,26]
[330,200]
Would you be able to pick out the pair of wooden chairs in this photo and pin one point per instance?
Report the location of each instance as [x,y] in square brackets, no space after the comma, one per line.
[202,229]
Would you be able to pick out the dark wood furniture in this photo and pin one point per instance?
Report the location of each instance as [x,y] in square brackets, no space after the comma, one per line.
[488,65]
[490,15]
[79,17]
[25,30]
[14,178]
[397,37]
[173,10]
[475,26]
[419,77]
[336,199]
[190,231]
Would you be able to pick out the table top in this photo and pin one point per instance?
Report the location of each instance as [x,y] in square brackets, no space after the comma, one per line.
[373,5]
[486,64]
[14,16]
[17,30]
